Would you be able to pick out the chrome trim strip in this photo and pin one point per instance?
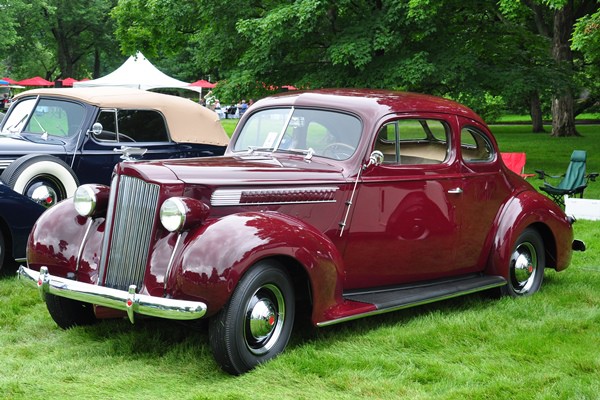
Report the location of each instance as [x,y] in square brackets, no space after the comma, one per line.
[409,305]
[118,299]
[171,260]
[233,197]
[5,163]
[90,222]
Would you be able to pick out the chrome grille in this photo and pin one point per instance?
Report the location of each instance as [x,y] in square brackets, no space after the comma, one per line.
[134,212]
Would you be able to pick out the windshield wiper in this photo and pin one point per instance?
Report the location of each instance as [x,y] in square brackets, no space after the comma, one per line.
[15,128]
[308,153]
[252,149]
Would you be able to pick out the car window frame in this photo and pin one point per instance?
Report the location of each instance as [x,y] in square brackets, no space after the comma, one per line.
[118,132]
[448,129]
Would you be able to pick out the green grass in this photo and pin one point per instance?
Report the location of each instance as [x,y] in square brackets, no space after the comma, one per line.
[229,125]
[476,347]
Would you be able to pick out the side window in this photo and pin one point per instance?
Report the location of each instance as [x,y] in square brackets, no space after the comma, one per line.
[475,146]
[141,126]
[413,141]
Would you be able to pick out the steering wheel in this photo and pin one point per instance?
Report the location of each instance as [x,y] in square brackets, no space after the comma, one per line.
[338,150]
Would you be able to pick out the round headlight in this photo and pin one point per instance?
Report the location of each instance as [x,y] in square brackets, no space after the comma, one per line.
[172,214]
[85,200]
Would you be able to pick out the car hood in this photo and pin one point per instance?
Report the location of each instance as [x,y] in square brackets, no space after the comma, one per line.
[239,170]
[21,145]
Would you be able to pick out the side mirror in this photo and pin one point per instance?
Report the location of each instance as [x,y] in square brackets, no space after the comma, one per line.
[97,128]
[375,159]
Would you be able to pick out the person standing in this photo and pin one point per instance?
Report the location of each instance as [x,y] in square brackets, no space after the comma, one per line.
[243,108]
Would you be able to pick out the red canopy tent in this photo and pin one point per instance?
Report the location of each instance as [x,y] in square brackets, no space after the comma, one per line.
[203,84]
[69,82]
[35,81]
[10,81]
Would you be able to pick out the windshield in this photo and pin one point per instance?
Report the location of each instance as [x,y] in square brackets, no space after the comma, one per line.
[46,116]
[316,132]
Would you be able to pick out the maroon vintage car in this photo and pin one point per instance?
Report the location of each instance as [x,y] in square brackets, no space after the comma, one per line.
[347,202]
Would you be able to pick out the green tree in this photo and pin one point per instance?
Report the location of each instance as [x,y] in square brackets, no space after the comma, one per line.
[555,20]
[59,38]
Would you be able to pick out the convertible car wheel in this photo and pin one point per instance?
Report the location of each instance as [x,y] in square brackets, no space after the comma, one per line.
[68,313]
[45,179]
[526,267]
[256,324]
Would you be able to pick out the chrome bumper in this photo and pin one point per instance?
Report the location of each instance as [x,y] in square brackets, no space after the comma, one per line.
[128,301]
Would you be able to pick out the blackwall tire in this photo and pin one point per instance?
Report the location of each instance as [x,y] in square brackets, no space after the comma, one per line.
[256,324]
[69,313]
[526,265]
[22,174]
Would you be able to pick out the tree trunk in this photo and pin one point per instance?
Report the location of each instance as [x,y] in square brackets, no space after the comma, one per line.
[563,117]
[535,110]
[96,73]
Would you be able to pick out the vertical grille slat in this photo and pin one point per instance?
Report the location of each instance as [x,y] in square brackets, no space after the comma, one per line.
[134,213]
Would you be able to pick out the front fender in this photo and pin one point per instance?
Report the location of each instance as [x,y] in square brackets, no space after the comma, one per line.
[535,210]
[215,256]
[67,243]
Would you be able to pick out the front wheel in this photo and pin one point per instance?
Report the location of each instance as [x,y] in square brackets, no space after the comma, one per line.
[68,313]
[526,266]
[256,324]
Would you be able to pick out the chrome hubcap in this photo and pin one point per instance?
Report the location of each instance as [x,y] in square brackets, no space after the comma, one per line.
[42,194]
[524,267]
[265,315]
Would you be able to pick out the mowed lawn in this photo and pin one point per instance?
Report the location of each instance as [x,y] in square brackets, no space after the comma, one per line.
[476,347]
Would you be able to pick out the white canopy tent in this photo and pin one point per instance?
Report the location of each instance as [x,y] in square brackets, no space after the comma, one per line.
[139,73]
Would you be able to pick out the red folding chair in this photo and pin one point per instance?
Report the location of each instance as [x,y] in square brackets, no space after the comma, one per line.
[516,163]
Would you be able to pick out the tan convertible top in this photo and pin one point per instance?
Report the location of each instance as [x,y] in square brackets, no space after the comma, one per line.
[187,121]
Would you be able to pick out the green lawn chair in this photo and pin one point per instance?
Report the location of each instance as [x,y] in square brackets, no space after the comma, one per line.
[573,182]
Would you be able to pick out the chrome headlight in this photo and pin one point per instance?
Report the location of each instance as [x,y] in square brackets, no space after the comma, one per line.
[172,214]
[179,213]
[91,200]
[85,200]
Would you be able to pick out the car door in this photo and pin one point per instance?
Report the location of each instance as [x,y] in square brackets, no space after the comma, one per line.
[406,215]
[483,191]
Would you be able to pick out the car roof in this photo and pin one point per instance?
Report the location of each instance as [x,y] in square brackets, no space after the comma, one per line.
[372,103]
[187,121]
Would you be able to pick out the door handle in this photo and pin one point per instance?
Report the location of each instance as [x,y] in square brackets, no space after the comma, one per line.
[455,191]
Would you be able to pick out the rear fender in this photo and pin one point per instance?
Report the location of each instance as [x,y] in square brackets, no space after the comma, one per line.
[535,210]
[215,256]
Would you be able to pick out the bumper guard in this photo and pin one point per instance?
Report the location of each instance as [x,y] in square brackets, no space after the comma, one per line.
[127,301]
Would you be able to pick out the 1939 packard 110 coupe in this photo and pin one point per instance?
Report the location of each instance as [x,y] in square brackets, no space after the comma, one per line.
[349,202]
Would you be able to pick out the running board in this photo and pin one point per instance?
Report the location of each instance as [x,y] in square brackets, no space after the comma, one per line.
[398,297]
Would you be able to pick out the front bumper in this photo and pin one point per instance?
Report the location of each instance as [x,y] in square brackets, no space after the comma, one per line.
[129,301]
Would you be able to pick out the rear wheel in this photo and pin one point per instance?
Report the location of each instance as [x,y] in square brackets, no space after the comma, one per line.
[68,313]
[526,266]
[256,323]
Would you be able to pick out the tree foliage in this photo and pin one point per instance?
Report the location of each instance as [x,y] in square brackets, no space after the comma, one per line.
[58,38]
[493,55]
